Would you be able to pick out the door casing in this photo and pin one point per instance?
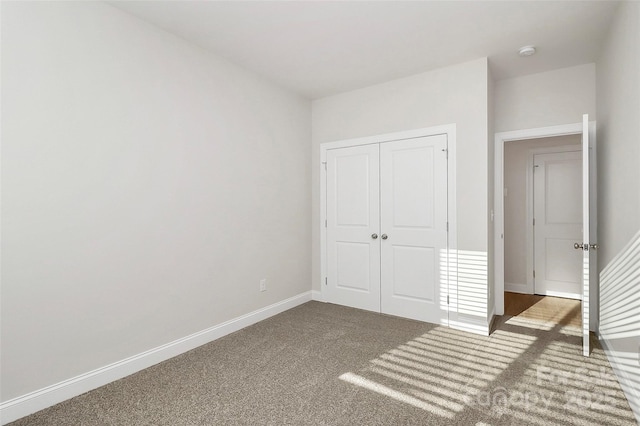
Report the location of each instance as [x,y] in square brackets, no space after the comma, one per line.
[518,135]
[450,131]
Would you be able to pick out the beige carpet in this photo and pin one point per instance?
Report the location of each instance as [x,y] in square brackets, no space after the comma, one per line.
[322,364]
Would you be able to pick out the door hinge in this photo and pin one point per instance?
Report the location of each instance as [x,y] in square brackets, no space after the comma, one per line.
[534,221]
[325,280]
[325,223]
[325,165]
[447,226]
[534,273]
[447,299]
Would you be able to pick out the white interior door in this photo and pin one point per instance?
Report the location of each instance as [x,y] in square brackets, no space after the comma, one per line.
[558,219]
[353,223]
[413,219]
[585,245]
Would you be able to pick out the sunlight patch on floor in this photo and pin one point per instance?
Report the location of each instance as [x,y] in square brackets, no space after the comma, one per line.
[447,372]
[365,383]
[528,323]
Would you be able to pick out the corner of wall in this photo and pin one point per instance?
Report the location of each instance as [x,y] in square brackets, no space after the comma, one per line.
[490,193]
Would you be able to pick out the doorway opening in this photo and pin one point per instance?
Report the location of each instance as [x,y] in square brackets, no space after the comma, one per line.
[543,216]
[553,311]
[587,244]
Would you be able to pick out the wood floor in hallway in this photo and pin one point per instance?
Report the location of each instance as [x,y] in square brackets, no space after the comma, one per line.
[556,310]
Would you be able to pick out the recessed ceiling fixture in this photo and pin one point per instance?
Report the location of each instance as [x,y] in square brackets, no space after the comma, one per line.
[527,51]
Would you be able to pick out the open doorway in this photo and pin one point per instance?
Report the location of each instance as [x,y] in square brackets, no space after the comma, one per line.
[542,179]
[549,310]
[586,244]
[542,220]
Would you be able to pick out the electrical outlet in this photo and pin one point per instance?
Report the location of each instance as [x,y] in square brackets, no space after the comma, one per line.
[263,284]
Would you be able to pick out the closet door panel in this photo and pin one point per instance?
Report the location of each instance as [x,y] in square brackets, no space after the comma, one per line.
[413,218]
[353,218]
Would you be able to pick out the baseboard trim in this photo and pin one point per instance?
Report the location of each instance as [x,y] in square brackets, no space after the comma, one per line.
[492,318]
[46,397]
[575,296]
[626,382]
[317,295]
[517,288]
[474,327]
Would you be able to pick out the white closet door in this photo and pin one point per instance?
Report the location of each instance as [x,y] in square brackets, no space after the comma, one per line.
[413,216]
[353,222]
[558,224]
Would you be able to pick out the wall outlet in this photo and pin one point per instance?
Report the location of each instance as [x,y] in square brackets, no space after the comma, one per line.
[263,284]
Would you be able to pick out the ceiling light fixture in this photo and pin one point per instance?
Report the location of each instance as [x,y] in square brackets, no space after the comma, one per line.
[527,51]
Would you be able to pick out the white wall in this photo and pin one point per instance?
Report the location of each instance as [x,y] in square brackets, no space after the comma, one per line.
[618,130]
[545,99]
[618,89]
[147,187]
[456,94]
[516,154]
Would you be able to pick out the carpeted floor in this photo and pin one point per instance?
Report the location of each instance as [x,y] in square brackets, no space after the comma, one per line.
[322,364]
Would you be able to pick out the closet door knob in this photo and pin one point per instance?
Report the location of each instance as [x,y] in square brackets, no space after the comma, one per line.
[374,236]
[384,236]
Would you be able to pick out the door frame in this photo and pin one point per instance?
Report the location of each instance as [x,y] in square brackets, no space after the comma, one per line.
[452,240]
[536,133]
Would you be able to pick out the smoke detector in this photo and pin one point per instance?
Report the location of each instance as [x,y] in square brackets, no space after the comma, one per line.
[527,51]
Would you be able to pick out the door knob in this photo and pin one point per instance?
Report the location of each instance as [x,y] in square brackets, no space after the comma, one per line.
[384,236]
[374,236]
[585,246]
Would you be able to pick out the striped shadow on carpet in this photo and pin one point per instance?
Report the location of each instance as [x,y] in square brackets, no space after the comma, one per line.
[322,364]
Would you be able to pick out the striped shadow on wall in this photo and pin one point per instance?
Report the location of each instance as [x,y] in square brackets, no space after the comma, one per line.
[620,319]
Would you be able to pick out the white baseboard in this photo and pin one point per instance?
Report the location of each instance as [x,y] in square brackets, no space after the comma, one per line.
[575,296]
[522,289]
[472,326]
[492,317]
[35,401]
[317,295]
[516,288]
[626,382]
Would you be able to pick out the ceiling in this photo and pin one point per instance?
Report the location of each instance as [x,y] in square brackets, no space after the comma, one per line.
[319,48]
